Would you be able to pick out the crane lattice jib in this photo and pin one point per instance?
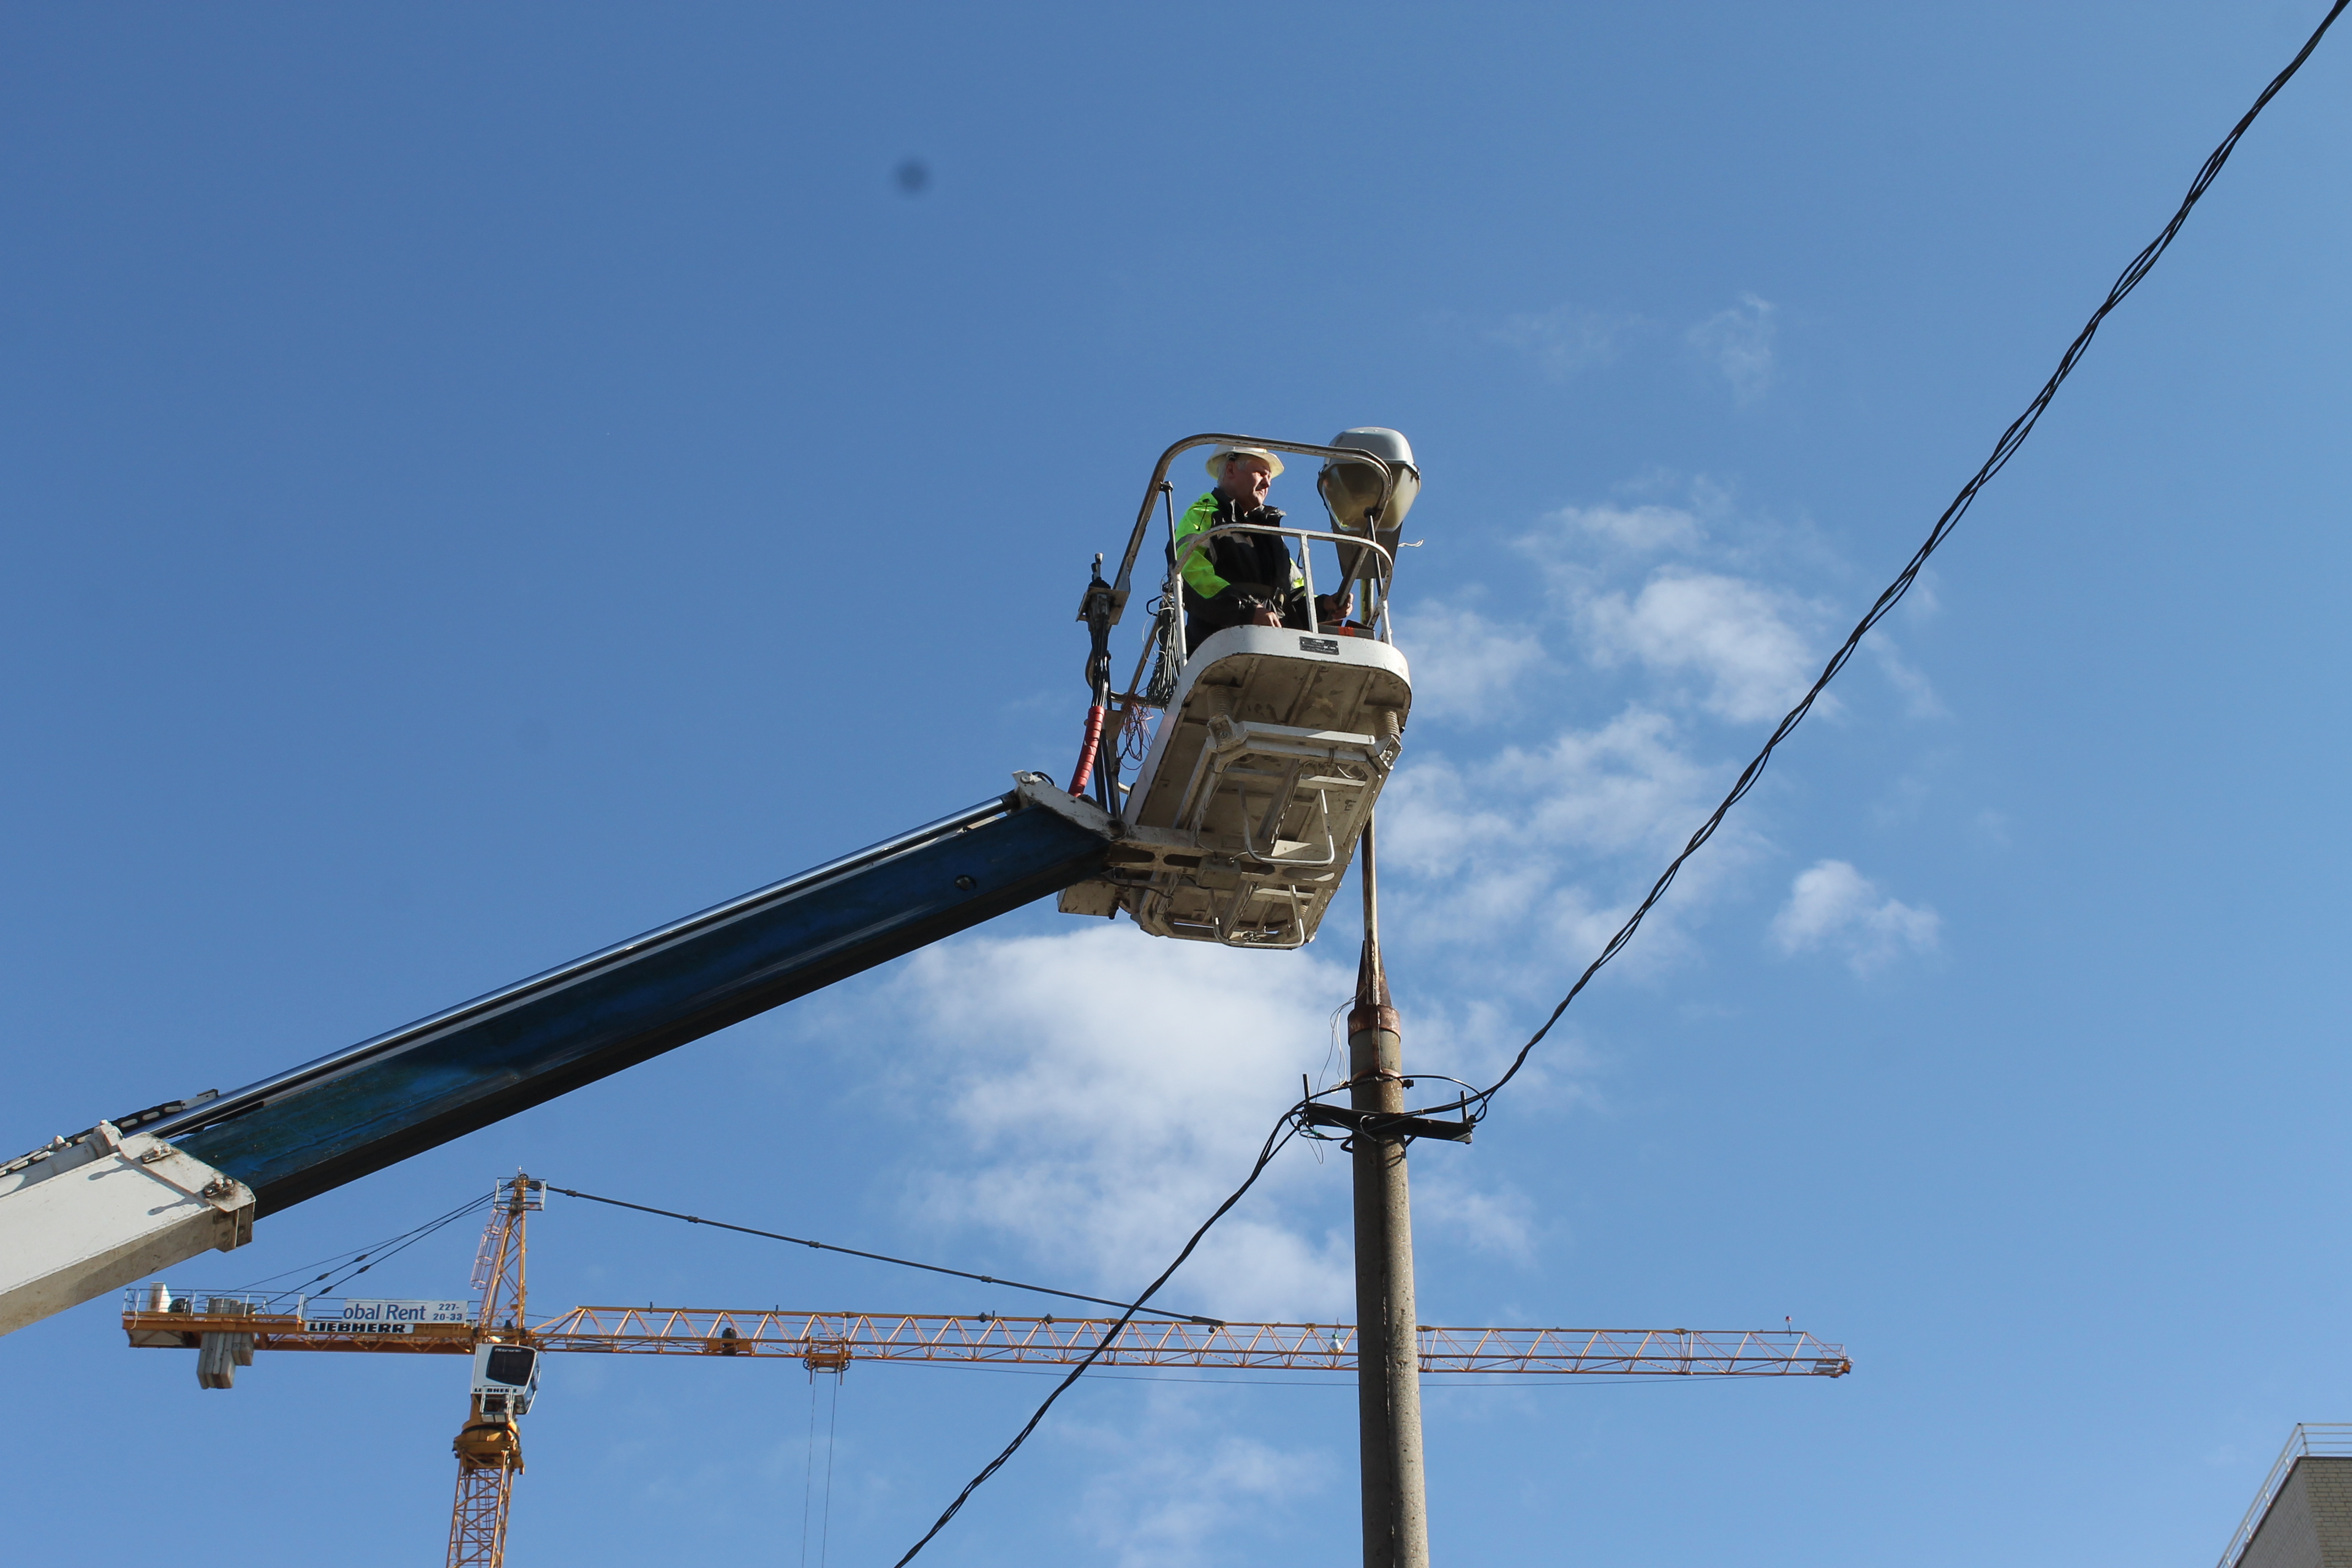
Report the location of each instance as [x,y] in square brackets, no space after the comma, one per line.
[1327,1347]
[928,1337]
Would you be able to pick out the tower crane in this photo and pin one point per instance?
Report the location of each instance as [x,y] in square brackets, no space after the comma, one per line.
[507,1349]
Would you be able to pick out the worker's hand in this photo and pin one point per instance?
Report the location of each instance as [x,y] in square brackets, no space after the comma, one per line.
[1265,517]
[1255,603]
[1334,606]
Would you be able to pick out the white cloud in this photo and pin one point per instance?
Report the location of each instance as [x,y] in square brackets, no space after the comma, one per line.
[1738,344]
[1500,1223]
[1567,338]
[1167,1494]
[1830,904]
[1464,665]
[1919,697]
[1090,1096]
[1104,1120]
[1626,786]
[1923,603]
[1500,858]
[1732,632]
[1622,787]
[1646,528]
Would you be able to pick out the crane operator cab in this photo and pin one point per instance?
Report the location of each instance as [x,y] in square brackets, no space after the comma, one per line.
[1256,754]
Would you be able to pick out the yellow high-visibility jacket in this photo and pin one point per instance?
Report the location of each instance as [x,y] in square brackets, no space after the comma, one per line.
[1236,557]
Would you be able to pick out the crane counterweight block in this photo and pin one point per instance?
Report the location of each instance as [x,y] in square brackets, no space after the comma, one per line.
[197,1176]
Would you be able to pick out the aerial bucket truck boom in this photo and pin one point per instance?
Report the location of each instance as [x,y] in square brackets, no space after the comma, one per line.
[1272,743]
[104,1208]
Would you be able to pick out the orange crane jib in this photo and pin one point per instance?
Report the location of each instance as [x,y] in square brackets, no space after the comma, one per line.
[829,1339]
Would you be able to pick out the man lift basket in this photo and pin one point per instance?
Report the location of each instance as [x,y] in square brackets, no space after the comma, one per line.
[1264,749]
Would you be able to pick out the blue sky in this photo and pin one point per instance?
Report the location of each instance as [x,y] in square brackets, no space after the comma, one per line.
[481,481]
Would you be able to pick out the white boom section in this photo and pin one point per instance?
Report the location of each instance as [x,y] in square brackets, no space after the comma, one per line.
[86,1216]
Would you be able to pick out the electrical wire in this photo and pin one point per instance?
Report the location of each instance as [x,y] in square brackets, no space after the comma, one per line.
[808,1474]
[349,1255]
[1285,1130]
[339,1261]
[831,1427]
[1292,1125]
[901,1262]
[1476,1104]
[412,1239]
[335,1260]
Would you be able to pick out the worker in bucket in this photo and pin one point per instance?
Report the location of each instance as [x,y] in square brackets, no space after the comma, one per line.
[1244,579]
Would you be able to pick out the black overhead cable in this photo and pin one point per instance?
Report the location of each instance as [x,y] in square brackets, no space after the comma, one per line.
[376,1251]
[383,1250]
[1474,1104]
[1283,1132]
[901,1262]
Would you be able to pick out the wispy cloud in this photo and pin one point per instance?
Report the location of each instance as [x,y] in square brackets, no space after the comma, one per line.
[1566,339]
[1831,905]
[1543,848]
[1738,344]
[1086,1097]
[1168,1493]
[1501,1224]
[1919,697]
[1464,665]
[1098,1120]
[1734,634]
[1643,529]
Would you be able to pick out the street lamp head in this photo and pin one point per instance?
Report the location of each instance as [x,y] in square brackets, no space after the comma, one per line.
[1351,490]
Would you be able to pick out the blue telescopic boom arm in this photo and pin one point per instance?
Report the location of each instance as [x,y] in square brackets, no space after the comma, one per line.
[339,1118]
[209,1167]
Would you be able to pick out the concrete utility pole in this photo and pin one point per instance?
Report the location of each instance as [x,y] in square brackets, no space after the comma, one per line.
[1388,1343]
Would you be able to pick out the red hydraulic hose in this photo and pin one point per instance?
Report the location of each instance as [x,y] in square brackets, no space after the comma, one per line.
[1086,751]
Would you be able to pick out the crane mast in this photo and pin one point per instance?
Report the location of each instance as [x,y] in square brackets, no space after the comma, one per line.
[489,1446]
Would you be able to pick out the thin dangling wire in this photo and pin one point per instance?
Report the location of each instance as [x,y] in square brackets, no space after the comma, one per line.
[808,1474]
[1161,689]
[833,1423]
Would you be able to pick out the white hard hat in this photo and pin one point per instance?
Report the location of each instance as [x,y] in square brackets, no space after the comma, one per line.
[1222,455]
